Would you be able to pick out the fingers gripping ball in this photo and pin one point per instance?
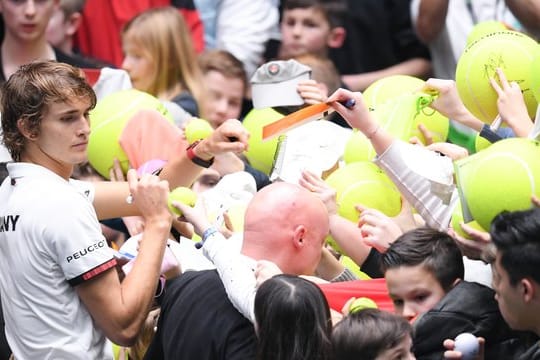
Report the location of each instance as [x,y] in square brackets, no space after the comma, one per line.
[182,195]
[511,51]
[197,129]
[261,153]
[501,177]
[107,121]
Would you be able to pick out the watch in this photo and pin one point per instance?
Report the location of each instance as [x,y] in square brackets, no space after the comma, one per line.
[195,159]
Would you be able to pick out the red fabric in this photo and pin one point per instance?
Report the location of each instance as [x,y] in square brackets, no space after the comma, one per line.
[338,293]
[103,20]
[149,136]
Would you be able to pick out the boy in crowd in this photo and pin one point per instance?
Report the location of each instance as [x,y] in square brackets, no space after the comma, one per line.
[424,272]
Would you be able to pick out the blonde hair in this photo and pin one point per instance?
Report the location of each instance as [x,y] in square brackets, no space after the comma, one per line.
[163,36]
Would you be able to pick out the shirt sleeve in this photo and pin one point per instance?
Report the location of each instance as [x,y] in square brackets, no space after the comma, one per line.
[235,273]
[424,178]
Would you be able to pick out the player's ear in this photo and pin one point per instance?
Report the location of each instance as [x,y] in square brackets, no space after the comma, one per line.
[337,37]
[23,124]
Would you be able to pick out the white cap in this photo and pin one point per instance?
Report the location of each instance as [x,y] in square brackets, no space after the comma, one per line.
[274,83]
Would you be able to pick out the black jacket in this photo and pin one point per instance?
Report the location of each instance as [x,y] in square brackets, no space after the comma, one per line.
[468,307]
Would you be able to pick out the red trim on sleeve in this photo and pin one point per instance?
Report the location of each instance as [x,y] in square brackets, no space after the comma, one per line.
[92,273]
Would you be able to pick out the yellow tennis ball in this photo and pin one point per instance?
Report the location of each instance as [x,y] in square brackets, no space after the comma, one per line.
[182,195]
[361,304]
[457,219]
[197,129]
[260,154]
[481,143]
[363,183]
[501,177]
[107,121]
[392,87]
[485,28]
[535,77]
[511,51]
[358,148]
[352,266]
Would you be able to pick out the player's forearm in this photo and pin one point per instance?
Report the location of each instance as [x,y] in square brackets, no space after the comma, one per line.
[349,238]
[139,286]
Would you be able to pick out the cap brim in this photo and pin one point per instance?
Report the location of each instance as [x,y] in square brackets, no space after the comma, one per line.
[283,93]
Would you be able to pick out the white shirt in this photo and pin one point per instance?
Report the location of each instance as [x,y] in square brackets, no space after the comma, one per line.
[50,240]
[460,19]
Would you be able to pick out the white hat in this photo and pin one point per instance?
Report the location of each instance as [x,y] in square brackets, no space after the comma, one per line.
[274,83]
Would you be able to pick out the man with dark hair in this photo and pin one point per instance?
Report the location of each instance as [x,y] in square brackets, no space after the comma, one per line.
[516,271]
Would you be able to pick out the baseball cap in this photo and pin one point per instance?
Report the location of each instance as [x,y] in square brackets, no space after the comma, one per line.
[274,83]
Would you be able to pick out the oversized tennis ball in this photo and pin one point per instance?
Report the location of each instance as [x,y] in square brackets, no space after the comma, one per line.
[481,143]
[457,219]
[358,148]
[511,51]
[197,129]
[361,304]
[107,121]
[535,77]
[182,195]
[260,154]
[485,28]
[363,183]
[392,87]
[501,177]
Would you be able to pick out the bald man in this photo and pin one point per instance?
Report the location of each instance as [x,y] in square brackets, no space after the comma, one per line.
[285,224]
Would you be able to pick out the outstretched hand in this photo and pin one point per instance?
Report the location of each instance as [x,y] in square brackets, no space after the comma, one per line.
[231,136]
[511,104]
[319,187]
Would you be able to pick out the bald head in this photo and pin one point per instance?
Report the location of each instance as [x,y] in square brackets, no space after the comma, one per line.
[286,224]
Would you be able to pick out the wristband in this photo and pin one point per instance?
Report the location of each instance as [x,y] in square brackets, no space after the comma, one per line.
[206,234]
[195,159]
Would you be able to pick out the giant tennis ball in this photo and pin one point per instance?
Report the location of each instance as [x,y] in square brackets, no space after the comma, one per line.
[363,183]
[392,87]
[358,148]
[197,129]
[107,121]
[260,154]
[485,28]
[535,77]
[511,51]
[182,195]
[501,177]
[457,219]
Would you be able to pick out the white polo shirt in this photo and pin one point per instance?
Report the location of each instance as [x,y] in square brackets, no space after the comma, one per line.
[50,241]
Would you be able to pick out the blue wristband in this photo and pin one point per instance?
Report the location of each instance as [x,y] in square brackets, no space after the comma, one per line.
[206,234]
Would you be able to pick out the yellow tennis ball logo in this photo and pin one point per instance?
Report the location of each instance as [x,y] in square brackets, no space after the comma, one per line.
[182,195]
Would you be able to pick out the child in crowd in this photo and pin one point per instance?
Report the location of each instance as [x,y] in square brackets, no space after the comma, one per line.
[372,334]
[424,272]
[311,26]
[161,60]
[64,24]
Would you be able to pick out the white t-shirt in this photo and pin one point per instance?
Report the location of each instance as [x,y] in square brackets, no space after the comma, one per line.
[460,19]
[50,241]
